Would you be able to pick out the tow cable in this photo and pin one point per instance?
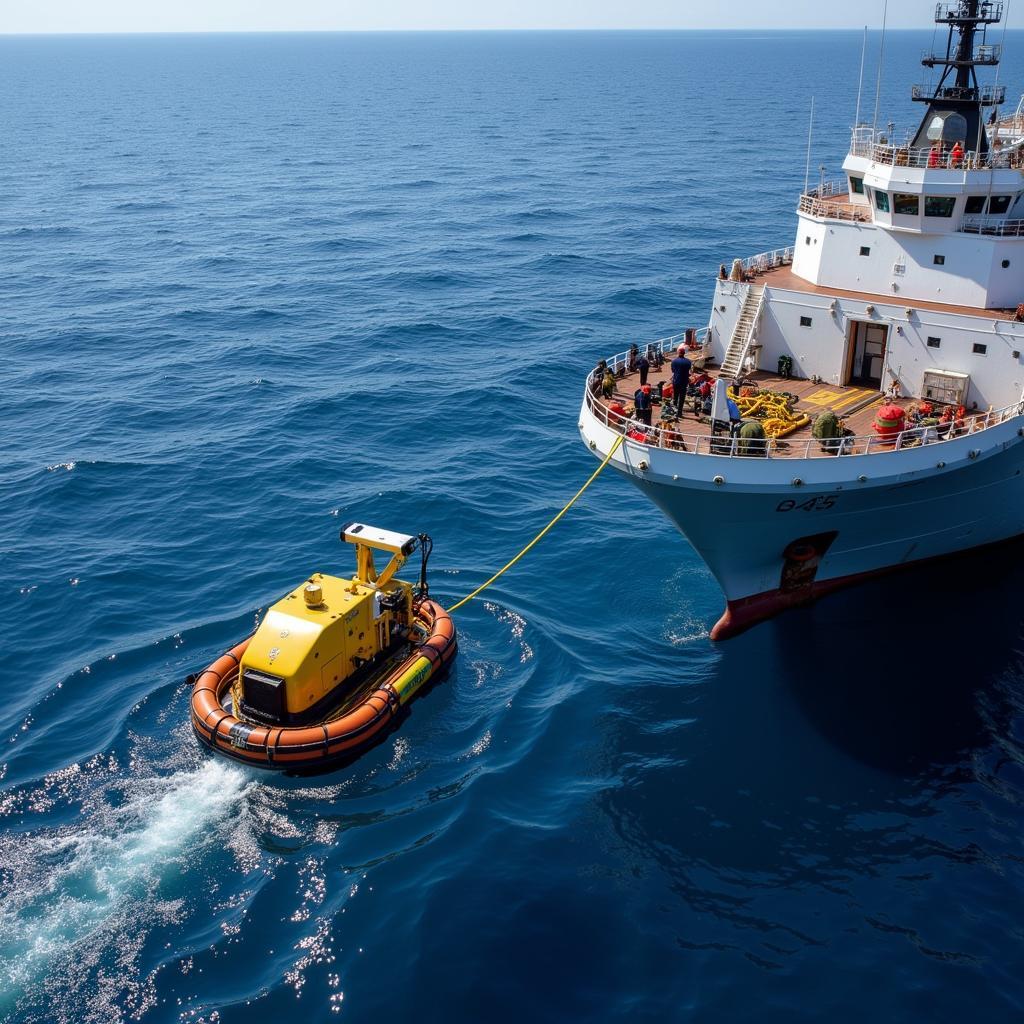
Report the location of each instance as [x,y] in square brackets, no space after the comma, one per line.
[597,472]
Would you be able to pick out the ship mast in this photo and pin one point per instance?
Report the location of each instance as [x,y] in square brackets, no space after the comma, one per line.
[958,91]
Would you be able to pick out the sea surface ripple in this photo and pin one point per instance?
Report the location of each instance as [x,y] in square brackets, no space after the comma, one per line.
[254,286]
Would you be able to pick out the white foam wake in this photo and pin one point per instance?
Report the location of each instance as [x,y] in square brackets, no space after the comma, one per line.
[65,886]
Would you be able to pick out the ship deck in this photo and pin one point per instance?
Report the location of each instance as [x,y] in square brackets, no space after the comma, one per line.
[855,406]
[783,277]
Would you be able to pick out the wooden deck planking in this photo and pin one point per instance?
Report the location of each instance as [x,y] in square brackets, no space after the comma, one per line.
[783,277]
[813,398]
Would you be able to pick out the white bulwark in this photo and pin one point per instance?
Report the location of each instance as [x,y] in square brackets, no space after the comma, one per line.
[905,281]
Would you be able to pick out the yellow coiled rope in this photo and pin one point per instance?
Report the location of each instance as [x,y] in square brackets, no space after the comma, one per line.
[597,472]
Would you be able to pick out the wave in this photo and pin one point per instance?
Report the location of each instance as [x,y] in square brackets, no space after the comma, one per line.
[541,213]
[212,262]
[345,244]
[412,186]
[40,231]
[644,297]
[412,280]
[526,237]
[99,465]
[144,205]
[568,261]
[66,887]
[425,330]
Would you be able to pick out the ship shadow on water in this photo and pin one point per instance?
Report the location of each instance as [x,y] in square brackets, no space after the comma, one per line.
[827,775]
[909,671]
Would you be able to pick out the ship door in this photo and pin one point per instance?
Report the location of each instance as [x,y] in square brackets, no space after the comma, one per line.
[867,354]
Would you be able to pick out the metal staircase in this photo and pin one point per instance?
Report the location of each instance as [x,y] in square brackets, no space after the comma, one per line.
[744,331]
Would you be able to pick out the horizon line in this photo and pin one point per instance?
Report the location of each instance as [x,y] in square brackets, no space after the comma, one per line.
[439,31]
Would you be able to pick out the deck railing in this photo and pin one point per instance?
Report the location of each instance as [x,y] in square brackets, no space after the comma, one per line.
[833,209]
[989,12]
[881,150]
[1013,123]
[659,436]
[620,361]
[990,94]
[992,226]
[765,261]
[987,54]
[835,187]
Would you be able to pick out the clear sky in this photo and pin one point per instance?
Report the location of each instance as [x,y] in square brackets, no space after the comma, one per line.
[307,15]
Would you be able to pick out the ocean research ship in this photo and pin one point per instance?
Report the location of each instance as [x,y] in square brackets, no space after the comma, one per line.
[898,310]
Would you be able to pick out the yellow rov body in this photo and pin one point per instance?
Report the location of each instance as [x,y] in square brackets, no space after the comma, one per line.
[322,639]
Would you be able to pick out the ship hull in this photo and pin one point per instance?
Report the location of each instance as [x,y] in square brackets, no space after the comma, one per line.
[779,533]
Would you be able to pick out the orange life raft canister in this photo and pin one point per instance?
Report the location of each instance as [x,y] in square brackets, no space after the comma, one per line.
[889,421]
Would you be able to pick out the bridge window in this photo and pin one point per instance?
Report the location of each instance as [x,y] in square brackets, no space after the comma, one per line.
[999,204]
[905,204]
[939,206]
[882,201]
[857,185]
[975,204]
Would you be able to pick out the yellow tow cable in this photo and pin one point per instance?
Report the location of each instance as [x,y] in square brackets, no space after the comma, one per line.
[575,498]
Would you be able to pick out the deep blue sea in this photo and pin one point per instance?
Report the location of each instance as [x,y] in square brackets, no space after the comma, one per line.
[254,286]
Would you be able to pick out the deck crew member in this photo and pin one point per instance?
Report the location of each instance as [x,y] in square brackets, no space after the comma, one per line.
[956,155]
[608,384]
[643,364]
[642,401]
[681,367]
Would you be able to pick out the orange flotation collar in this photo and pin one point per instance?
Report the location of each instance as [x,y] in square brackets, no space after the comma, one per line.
[303,747]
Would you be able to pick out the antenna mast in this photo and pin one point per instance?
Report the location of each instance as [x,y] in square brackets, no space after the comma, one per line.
[958,90]
[860,83]
[878,80]
[810,129]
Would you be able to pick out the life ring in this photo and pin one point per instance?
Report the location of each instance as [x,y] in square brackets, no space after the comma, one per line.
[314,746]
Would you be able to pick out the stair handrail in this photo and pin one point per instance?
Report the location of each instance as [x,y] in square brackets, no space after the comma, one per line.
[751,330]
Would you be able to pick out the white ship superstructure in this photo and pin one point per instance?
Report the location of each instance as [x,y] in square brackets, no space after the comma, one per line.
[904,284]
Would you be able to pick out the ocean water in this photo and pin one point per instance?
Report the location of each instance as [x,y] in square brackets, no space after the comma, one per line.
[254,286]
